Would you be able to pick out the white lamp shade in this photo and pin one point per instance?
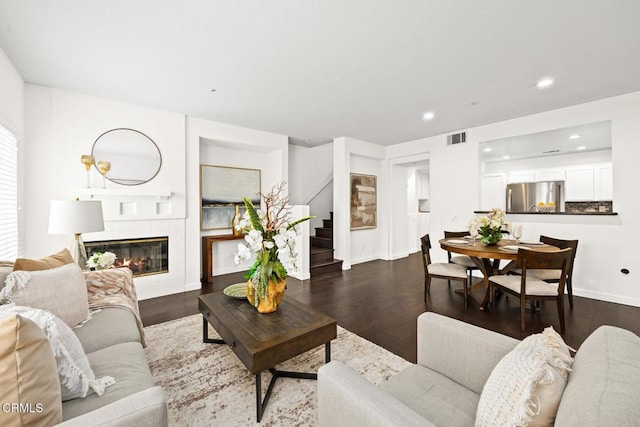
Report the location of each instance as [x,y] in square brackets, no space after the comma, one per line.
[75,216]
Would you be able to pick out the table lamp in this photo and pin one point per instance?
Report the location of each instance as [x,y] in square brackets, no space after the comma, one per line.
[76,217]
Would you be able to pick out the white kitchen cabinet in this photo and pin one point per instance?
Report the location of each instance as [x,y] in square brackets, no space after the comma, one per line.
[579,184]
[603,178]
[422,185]
[493,191]
[549,175]
[522,176]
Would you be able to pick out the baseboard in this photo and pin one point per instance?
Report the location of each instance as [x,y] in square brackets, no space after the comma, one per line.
[364,259]
[144,294]
[601,296]
[398,256]
[192,286]
[301,276]
[155,293]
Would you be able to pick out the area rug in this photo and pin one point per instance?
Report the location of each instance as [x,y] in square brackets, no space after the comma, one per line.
[207,385]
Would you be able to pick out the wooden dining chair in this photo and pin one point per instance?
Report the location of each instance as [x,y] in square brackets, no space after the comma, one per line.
[463,260]
[442,270]
[553,276]
[562,244]
[527,287]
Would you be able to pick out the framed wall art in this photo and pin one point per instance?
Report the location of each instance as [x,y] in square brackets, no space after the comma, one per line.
[363,201]
[221,190]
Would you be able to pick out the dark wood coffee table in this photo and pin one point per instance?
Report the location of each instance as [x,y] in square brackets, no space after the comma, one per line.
[261,341]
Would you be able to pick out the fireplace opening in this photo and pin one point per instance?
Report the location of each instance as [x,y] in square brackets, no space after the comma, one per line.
[143,257]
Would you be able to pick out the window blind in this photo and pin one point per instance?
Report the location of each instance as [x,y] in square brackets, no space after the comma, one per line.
[9,244]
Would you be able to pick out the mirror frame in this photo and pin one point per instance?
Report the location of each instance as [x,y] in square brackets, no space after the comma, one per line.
[132,130]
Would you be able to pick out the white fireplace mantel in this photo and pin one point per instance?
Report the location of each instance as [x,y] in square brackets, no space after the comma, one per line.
[122,193]
[134,204]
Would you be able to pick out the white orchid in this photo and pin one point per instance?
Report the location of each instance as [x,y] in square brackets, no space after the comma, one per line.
[272,236]
[243,254]
[280,240]
[254,239]
[244,222]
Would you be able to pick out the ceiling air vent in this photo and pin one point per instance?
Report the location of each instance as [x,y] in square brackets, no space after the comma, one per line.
[457,138]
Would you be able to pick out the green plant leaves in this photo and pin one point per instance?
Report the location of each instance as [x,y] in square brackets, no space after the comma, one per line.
[253,215]
[298,221]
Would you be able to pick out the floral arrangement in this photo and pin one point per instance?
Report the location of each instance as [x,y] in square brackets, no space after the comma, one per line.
[489,227]
[101,260]
[271,236]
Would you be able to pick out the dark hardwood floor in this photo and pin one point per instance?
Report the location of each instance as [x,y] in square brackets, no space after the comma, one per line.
[380,301]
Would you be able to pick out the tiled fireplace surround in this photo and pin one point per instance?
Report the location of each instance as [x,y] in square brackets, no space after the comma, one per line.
[145,216]
[157,284]
[143,256]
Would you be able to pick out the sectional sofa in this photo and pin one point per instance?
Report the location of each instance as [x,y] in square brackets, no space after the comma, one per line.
[112,339]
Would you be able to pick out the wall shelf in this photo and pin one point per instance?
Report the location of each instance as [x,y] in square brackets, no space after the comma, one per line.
[125,193]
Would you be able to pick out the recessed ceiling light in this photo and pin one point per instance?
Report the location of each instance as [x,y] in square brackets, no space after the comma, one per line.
[488,149]
[506,157]
[546,82]
[575,136]
[582,147]
[428,116]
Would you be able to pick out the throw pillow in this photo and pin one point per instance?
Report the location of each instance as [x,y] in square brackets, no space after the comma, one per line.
[4,272]
[52,261]
[74,372]
[60,290]
[30,392]
[526,386]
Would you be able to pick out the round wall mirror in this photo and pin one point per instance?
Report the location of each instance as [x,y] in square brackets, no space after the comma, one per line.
[133,157]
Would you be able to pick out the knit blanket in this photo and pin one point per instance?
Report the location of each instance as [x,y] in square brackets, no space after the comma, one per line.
[114,288]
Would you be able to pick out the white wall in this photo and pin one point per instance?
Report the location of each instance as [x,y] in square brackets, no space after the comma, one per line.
[365,245]
[412,211]
[225,145]
[309,170]
[12,118]
[607,243]
[353,156]
[60,126]
[11,97]
[401,221]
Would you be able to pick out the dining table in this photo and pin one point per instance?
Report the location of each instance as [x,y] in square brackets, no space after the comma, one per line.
[488,257]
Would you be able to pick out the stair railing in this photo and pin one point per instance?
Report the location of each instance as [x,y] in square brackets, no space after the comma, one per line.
[328,180]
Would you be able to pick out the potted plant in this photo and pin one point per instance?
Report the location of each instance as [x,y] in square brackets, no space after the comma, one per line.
[489,227]
[271,236]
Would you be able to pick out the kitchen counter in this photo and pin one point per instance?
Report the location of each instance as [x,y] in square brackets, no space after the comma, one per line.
[555,213]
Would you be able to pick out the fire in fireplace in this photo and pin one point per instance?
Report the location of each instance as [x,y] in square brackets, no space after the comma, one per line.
[143,257]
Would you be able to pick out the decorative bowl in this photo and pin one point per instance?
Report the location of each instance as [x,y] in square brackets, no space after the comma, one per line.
[546,208]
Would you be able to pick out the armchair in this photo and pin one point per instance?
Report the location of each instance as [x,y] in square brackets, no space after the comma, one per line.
[443,388]
[455,360]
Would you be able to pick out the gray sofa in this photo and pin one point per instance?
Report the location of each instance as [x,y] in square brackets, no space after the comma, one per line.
[111,342]
[454,361]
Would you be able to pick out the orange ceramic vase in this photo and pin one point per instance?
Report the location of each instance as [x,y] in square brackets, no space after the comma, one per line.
[273,299]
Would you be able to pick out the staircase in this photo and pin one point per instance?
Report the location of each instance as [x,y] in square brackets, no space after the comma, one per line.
[322,260]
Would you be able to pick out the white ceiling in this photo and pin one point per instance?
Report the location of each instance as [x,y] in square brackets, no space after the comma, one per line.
[319,69]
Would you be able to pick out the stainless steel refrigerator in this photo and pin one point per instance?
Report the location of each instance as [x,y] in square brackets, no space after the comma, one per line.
[547,196]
